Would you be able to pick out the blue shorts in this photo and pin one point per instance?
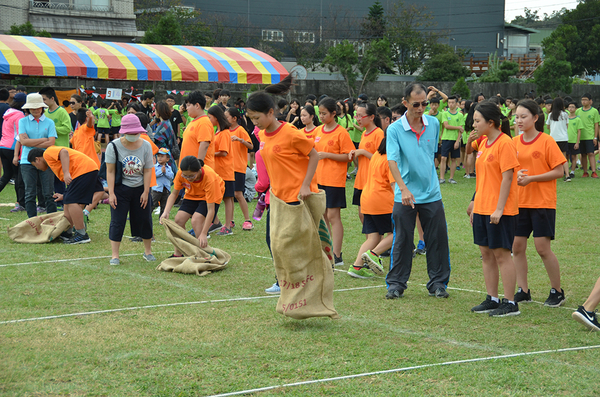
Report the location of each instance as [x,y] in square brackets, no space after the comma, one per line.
[540,221]
[193,206]
[493,236]
[229,189]
[380,224]
[240,181]
[335,197]
[586,147]
[356,197]
[82,189]
[448,149]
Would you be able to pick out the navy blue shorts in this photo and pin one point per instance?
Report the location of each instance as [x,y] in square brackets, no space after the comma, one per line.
[104,131]
[563,146]
[199,206]
[229,189]
[586,147]
[540,221]
[356,197]
[335,197]
[82,189]
[494,236]
[115,130]
[448,149]
[240,181]
[380,224]
[572,151]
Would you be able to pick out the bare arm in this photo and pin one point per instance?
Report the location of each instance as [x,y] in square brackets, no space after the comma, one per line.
[63,156]
[523,179]
[507,177]
[313,161]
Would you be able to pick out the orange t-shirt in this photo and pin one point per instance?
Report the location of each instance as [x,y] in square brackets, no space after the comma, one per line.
[224,164]
[377,197]
[197,131]
[240,152]
[154,151]
[370,142]
[492,161]
[83,141]
[310,134]
[337,141]
[209,188]
[285,153]
[538,157]
[79,163]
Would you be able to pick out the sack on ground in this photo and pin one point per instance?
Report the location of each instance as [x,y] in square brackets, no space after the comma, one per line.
[39,229]
[303,267]
[195,260]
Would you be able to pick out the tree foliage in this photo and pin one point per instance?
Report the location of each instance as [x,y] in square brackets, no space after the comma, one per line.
[554,76]
[27,29]
[444,65]
[374,25]
[377,57]
[499,72]
[461,88]
[579,34]
[167,31]
[343,59]
[531,19]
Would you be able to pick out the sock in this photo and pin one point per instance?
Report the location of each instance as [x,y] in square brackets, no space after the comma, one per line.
[86,212]
[357,268]
[511,302]
[81,231]
[495,299]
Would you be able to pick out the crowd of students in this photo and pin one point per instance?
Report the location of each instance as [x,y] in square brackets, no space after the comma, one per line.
[198,154]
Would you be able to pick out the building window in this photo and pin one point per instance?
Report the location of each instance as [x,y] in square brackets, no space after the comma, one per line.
[272,35]
[305,37]
[77,5]
[358,46]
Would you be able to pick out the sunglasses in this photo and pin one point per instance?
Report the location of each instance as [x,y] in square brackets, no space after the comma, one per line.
[417,104]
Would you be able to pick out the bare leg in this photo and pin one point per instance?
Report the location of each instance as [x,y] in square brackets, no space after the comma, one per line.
[336,228]
[114,246]
[228,211]
[239,196]
[520,258]
[490,271]
[542,244]
[74,213]
[507,271]
[384,245]
[594,298]
[148,246]
[420,229]
[454,163]
[443,167]
[371,242]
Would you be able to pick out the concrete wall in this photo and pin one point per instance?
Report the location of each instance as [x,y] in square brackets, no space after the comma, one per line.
[12,12]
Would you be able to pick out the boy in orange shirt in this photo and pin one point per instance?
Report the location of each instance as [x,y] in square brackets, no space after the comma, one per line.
[199,136]
[80,174]
[83,137]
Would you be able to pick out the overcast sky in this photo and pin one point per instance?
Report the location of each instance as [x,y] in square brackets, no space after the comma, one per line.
[516,7]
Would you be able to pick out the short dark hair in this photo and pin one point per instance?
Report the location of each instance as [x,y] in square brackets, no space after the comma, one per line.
[170,96]
[135,106]
[453,97]
[217,93]
[34,154]
[413,87]
[148,95]
[384,112]
[224,93]
[4,94]
[81,115]
[143,119]
[196,97]
[399,109]
[50,93]
[587,95]
[163,111]
[434,100]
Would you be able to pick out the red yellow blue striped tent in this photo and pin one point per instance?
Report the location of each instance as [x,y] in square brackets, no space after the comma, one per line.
[41,56]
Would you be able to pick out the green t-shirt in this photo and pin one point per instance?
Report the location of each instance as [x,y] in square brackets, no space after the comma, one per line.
[546,126]
[355,134]
[115,117]
[62,122]
[589,118]
[574,126]
[440,117]
[455,120]
[101,115]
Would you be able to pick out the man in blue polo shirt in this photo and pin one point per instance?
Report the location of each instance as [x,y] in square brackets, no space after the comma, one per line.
[411,142]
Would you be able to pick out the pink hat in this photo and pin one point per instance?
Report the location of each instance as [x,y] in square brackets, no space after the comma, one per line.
[130,124]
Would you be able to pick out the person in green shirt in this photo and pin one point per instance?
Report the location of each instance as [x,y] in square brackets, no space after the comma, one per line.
[453,122]
[574,133]
[103,125]
[58,114]
[589,134]
[115,111]
[434,106]
[433,93]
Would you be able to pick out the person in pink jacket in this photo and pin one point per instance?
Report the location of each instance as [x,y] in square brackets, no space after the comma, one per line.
[8,142]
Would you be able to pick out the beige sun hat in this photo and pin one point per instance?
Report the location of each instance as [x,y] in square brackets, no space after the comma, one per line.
[34,101]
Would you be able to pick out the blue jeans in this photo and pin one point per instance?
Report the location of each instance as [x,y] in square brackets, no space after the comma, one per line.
[30,176]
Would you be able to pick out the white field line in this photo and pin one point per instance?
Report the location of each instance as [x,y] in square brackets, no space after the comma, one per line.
[74,259]
[387,371]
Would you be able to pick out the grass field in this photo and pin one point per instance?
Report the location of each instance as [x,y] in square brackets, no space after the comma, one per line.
[150,333]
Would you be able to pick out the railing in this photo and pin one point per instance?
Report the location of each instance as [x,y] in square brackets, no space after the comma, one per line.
[69,6]
[527,64]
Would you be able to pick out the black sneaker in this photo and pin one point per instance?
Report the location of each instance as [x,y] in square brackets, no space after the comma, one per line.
[66,235]
[386,254]
[78,239]
[486,306]
[506,309]
[394,294]
[522,296]
[215,227]
[337,260]
[572,174]
[136,239]
[440,293]
[586,318]
[555,299]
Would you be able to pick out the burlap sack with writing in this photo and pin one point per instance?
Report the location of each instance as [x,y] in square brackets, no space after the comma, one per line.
[195,260]
[39,229]
[303,268]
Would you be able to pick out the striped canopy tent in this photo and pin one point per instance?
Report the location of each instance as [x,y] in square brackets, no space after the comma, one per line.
[41,56]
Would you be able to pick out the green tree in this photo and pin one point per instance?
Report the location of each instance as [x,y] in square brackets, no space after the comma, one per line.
[378,56]
[461,88]
[412,36]
[27,29]
[343,59]
[444,65]
[373,27]
[167,31]
[499,72]
[554,75]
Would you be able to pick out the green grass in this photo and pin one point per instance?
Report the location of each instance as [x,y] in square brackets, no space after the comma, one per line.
[226,346]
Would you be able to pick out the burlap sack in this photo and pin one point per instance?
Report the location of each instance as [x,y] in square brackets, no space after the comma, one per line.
[195,260]
[303,268]
[39,229]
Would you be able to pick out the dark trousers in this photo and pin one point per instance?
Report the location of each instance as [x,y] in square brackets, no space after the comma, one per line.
[9,169]
[140,219]
[160,198]
[31,176]
[433,220]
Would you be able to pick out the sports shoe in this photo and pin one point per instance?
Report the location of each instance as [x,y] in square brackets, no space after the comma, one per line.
[522,296]
[568,179]
[394,294]
[136,239]
[373,261]
[12,181]
[149,257]
[585,175]
[78,239]
[594,175]
[555,299]
[486,306]
[506,309]
[586,318]
[572,174]
[214,227]
[224,232]
[248,225]
[440,293]
[274,289]
[67,234]
[467,176]
[191,232]
[40,210]
[473,175]
[18,208]
[452,181]
[115,262]
[421,249]
[337,260]
[363,272]
[442,181]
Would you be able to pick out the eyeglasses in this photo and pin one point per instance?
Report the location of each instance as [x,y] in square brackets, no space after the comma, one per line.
[72,103]
[417,104]
[361,117]
[189,177]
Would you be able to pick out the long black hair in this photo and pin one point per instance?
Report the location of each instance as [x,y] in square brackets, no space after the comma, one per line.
[191,163]
[558,106]
[331,106]
[311,112]
[262,101]
[218,114]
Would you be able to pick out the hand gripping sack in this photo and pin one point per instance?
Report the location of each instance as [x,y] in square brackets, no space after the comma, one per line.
[302,258]
[195,260]
[39,229]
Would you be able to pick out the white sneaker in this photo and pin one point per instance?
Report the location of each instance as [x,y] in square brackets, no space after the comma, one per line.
[157,211]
